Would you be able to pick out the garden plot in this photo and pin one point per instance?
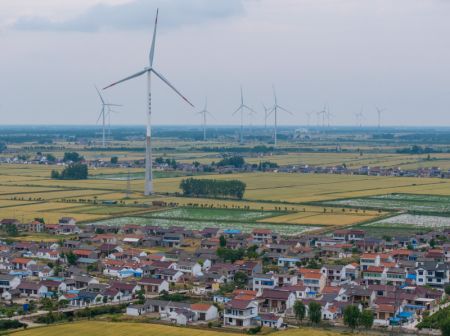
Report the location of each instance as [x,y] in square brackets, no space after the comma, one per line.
[199,225]
[409,220]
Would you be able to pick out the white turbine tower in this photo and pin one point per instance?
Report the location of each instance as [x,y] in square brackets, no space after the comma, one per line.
[106,108]
[242,109]
[379,112]
[149,70]
[274,110]
[204,112]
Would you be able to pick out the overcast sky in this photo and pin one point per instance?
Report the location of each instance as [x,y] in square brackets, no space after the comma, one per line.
[349,54]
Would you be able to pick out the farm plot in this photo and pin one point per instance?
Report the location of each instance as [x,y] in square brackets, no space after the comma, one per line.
[409,220]
[212,214]
[199,224]
[329,218]
[403,202]
[97,328]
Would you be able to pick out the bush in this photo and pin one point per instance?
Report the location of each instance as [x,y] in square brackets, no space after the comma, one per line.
[11,324]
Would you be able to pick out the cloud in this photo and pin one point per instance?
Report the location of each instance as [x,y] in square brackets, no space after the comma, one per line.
[138,14]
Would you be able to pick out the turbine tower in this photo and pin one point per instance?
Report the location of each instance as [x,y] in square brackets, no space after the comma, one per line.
[242,109]
[149,70]
[379,112]
[204,112]
[106,108]
[274,110]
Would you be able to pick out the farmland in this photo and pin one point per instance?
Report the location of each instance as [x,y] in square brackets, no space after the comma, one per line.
[399,202]
[92,328]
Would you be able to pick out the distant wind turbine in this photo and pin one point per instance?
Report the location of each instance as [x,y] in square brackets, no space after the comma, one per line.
[242,108]
[379,112]
[204,112]
[106,107]
[266,114]
[308,117]
[359,117]
[149,70]
[274,110]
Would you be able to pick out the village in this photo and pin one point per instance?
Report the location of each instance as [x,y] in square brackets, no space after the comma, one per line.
[224,278]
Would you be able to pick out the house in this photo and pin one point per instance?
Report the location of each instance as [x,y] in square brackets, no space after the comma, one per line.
[262,236]
[204,311]
[8,282]
[369,259]
[22,263]
[264,281]
[433,274]
[277,301]
[36,226]
[189,267]
[313,279]
[152,286]
[67,221]
[240,313]
[270,320]
[31,289]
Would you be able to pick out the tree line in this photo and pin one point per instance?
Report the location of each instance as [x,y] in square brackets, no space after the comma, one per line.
[213,188]
[75,171]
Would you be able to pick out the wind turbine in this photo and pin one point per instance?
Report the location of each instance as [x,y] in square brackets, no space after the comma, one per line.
[308,116]
[149,70]
[106,107]
[359,117]
[266,114]
[241,109]
[204,112]
[275,112]
[379,112]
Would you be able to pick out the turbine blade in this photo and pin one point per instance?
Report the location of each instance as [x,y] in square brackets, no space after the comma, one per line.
[249,108]
[99,116]
[237,110]
[113,104]
[152,48]
[99,94]
[127,78]
[282,108]
[171,86]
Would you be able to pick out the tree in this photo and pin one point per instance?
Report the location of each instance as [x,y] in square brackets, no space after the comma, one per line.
[447,290]
[212,188]
[141,296]
[240,279]
[72,157]
[71,258]
[75,171]
[222,241]
[50,158]
[299,310]
[366,319]
[114,160]
[445,327]
[351,317]
[235,161]
[314,312]
[11,230]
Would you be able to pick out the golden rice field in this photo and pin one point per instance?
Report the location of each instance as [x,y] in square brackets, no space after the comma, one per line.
[39,196]
[91,328]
